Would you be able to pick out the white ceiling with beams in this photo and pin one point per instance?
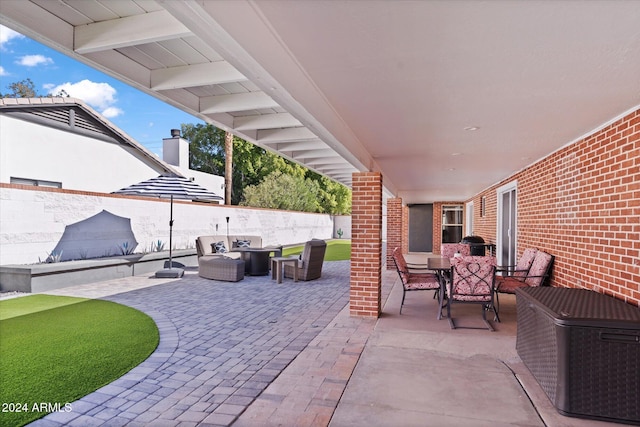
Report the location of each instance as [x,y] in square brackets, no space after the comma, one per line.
[443,98]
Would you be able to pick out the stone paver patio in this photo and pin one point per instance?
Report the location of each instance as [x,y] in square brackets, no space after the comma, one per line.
[221,345]
[256,354]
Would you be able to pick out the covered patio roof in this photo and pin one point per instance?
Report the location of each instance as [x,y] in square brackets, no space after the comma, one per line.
[444,99]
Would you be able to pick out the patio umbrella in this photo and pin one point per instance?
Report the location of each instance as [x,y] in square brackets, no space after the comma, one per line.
[170,187]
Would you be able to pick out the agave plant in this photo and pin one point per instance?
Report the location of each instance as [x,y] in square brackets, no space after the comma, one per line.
[52,257]
[157,246]
[126,249]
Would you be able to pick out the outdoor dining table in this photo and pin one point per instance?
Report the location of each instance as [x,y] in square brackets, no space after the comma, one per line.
[440,265]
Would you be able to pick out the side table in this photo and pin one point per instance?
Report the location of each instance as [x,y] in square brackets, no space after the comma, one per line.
[277,267]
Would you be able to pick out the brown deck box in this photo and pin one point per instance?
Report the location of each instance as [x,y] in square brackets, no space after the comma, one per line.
[583,348]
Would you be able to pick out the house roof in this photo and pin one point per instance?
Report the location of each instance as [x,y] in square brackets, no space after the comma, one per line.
[73,115]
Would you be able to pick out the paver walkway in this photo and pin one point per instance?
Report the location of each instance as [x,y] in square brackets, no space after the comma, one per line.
[221,345]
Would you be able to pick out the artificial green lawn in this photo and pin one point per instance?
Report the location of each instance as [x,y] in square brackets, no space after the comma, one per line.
[54,350]
[337,250]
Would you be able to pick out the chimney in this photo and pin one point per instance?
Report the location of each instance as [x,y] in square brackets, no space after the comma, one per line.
[175,150]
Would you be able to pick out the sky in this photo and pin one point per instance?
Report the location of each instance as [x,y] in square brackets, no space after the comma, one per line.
[144,118]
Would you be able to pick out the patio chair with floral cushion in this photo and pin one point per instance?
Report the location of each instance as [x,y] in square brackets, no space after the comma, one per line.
[414,277]
[521,268]
[537,274]
[472,282]
[449,250]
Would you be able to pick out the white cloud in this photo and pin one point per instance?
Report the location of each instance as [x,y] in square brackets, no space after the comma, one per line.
[7,34]
[3,72]
[112,112]
[34,60]
[98,95]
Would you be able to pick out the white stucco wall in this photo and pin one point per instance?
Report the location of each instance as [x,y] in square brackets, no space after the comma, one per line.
[213,183]
[32,221]
[33,151]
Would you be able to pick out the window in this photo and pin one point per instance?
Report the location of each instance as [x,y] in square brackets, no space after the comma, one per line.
[452,223]
[35,182]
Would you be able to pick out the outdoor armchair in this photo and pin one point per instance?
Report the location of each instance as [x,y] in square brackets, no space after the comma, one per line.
[414,277]
[311,260]
[472,281]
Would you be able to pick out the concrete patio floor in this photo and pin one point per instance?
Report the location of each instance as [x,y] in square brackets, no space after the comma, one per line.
[309,363]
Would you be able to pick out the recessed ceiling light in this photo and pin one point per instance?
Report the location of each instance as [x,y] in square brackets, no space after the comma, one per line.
[456,154]
[471,128]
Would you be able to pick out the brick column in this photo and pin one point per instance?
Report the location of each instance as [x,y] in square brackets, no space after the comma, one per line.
[405,229]
[366,244]
[395,228]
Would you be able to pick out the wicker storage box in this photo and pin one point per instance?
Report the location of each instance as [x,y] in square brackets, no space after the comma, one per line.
[583,348]
[220,268]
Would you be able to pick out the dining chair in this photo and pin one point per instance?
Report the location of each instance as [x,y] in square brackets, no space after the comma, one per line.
[538,272]
[472,282]
[414,277]
[522,266]
[449,250]
[518,271]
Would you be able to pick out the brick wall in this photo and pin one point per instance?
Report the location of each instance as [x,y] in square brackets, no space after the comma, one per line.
[395,228]
[366,244]
[582,204]
[405,229]
[437,226]
[485,225]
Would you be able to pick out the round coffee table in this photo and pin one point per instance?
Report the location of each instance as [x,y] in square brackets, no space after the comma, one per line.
[256,260]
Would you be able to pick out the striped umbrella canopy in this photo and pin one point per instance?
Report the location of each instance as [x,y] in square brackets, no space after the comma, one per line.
[170,187]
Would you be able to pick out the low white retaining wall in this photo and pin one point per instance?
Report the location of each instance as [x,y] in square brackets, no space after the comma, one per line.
[34,220]
[46,277]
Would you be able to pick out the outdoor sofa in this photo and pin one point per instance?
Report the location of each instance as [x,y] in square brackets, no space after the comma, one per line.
[212,245]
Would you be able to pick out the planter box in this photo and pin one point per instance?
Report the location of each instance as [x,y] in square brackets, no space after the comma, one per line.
[45,277]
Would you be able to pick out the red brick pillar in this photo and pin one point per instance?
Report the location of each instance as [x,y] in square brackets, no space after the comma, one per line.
[395,228]
[405,229]
[366,244]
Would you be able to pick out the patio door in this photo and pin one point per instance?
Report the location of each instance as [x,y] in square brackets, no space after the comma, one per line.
[507,227]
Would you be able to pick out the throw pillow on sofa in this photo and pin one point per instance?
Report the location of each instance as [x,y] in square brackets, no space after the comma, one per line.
[219,247]
[243,243]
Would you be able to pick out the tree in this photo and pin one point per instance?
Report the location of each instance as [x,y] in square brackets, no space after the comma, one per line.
[206,147]
[252,164]
[281,191]
[228,167]
[22,89]
[27,89]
